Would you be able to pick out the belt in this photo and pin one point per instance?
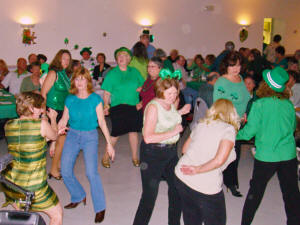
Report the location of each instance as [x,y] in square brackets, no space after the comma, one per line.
[159,145]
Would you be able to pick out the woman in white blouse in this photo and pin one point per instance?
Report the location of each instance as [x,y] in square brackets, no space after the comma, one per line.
[207,152]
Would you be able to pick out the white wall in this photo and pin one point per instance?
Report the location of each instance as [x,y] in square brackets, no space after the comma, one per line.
[181,24]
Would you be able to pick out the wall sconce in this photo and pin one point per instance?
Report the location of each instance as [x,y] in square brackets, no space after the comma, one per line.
[243,34]
[28,36]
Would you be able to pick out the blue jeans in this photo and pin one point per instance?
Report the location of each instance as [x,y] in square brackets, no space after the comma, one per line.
[88,142]
[190,95]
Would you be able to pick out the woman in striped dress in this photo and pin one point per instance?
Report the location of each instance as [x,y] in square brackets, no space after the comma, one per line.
[26,137]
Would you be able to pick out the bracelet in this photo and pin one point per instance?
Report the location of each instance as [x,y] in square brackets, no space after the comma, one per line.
[44,116]
[106,107]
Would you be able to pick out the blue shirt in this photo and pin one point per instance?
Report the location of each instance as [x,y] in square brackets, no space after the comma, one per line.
[150,51]
[82,112]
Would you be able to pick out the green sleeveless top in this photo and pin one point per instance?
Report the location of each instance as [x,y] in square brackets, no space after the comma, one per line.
[59,91]
[166,121]
[28,169]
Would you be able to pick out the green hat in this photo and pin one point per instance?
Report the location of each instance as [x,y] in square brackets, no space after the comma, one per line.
[122,49]
[86,49]
[276,78]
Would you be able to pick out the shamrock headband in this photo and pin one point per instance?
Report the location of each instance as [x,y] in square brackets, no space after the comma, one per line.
[166,73]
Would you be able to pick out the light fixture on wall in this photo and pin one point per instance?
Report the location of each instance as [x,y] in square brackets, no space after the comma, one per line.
[243,34]
[28,36]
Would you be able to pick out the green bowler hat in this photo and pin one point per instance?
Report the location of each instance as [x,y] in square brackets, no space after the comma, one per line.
[276,78]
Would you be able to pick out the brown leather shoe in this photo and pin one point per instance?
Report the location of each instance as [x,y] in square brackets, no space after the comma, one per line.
[73,205]
[99,216]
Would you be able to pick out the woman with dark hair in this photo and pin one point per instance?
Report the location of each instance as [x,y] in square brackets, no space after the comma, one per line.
[140,59]
[231,86]
[158,150]
[84,112]
[101,69]
[55,89]
[272,122]
[147,92]
[27,141]
[198,67]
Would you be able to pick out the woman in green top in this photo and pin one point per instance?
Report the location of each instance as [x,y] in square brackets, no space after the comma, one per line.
[121,100]
[198,67]
[140,59]
[26,138]
[55,89]
[272,122]
[231,86]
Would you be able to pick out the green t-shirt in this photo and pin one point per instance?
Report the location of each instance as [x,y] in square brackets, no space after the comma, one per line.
[140,65]
[237,93]
[122,85]
[27,85]
[272,121]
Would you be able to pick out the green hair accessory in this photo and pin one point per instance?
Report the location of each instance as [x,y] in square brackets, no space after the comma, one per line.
[166,73]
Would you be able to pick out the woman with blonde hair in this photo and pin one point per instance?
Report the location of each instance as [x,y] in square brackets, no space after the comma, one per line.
[26,138]
[207,152]
[84,112]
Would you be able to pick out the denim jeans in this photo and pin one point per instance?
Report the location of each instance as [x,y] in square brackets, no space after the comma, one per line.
[287,175]
[198,207]
[190,95]
[88,142]
[157,163]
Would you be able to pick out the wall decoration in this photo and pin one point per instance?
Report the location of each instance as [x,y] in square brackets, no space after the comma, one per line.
[28,37]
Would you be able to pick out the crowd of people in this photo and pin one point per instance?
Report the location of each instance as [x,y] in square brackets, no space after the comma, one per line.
[250,95]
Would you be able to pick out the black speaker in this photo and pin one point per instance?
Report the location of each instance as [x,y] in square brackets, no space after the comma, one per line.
[9,217]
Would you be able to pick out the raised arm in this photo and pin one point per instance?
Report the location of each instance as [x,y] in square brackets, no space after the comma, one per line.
[149,127]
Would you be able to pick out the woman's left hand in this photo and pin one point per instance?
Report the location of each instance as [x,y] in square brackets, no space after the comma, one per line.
[110,151]
[185,109]
[189,170]
[139,89]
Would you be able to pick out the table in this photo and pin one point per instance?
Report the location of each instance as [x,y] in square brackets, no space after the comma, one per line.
[7,105]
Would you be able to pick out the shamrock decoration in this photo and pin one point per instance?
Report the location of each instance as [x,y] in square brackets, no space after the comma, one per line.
[66,41]
[166,73]
[76,46]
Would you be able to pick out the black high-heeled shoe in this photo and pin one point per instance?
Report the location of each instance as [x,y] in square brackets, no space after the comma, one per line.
[234,191]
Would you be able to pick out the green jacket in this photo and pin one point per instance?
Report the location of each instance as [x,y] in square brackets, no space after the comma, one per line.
[272,121]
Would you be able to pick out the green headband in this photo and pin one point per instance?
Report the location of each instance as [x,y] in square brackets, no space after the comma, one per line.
[166,73]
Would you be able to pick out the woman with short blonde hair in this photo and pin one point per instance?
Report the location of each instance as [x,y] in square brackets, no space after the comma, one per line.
[27,141]
[207,152]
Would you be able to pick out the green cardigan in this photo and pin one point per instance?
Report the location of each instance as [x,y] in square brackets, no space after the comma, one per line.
[272,121]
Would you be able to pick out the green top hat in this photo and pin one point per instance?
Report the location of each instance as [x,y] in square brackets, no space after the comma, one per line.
[276,78]
[86,49]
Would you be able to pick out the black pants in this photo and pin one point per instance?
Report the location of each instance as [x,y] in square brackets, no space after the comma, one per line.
[155,163]
[230,174]
[287,175]
[198,207]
